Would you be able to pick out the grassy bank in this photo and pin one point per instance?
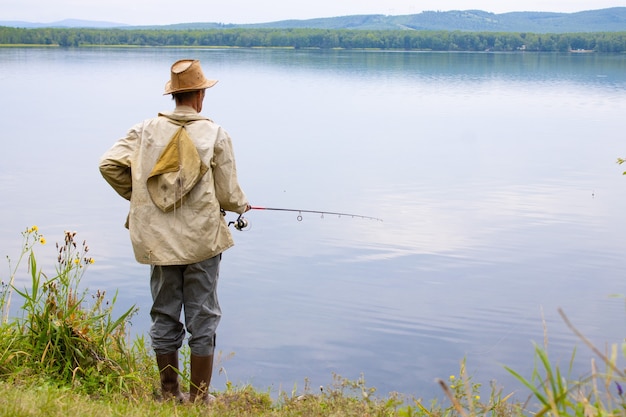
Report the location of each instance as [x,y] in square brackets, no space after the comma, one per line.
[67,355]
[46,400]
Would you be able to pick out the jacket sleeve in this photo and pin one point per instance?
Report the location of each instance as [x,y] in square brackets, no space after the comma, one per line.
[227,189]
[115,164]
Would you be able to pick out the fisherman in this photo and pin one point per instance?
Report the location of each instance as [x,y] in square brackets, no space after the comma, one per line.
[178,172]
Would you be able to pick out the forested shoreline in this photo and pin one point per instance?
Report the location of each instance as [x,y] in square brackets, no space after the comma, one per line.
[320,38]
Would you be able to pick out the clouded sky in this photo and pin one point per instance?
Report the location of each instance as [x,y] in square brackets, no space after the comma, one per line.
[145,12]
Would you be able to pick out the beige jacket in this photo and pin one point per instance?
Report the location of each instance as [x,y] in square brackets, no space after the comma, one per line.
[195,230]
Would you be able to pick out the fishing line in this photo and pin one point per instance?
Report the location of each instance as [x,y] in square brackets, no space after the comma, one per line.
[488,348]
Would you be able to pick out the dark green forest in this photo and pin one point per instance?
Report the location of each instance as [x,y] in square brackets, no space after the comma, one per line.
[320,38]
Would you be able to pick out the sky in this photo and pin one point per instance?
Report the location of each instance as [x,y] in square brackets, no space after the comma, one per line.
[162,12]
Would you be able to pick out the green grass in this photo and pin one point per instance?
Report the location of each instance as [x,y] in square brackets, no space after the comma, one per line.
[67,355]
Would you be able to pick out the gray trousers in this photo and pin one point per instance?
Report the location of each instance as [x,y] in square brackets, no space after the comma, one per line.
[193,287]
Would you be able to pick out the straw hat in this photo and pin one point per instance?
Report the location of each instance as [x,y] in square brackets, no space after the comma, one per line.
[186,75]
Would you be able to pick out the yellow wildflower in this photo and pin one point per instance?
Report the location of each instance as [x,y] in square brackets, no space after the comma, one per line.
[34,228]
[42,240]
[452,377]
[91,260]
[76,261]
[477,397]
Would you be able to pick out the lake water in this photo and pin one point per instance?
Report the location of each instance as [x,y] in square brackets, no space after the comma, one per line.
[495,176]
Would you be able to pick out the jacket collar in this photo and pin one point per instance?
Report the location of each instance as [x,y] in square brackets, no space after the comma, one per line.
[184,114]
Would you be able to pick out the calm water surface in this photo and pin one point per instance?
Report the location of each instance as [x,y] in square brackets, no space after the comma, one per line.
[495,175]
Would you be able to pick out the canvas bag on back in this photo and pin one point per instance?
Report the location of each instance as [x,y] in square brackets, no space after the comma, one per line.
[177,170]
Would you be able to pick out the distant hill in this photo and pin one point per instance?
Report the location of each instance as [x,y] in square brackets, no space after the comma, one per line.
[602,20]
[67,23]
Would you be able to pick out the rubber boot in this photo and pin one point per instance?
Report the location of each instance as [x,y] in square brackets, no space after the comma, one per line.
[168,372]
[201,370]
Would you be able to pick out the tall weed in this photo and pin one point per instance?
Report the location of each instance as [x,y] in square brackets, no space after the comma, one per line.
[65,336]
[560,394]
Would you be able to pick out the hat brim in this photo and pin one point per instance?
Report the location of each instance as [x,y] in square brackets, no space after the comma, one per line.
[203,86]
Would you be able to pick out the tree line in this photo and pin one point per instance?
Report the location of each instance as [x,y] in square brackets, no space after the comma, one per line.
[320,38]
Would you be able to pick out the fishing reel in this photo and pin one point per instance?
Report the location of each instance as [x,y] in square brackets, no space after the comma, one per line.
[240,224]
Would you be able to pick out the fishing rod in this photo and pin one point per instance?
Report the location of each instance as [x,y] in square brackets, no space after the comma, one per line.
[242,223]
